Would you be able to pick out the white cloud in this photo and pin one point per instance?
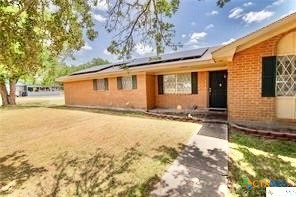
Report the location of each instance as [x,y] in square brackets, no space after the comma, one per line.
[209,26]
[106,52]
[99,18]
[110,57]
[248,4]
[143,49]
[101,5]
[257,16]
[212,13]
[235,12]
[278,2]
[183,35]
[86,47]
[228,41]
[196,36]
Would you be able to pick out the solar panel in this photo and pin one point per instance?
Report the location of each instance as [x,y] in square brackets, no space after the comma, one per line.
[97,68]
[197,53]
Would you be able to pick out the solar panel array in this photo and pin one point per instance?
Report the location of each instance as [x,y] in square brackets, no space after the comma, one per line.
[190,54]
[97,68]
[196,53]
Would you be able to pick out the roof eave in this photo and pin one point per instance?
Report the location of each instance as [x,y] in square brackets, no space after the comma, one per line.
[283,25]
[148,68]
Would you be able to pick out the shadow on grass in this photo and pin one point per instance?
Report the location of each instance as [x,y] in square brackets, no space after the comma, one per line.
[99,174]
[277,147]
[103,174]
[104,111]
[268,166]
[29,105]
[195,173]
[15,169]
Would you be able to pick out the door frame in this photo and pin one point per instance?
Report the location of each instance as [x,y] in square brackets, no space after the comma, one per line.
[209,90]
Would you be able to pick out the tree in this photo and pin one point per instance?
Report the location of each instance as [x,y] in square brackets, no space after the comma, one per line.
[142,21]
[54,68]
[31,28]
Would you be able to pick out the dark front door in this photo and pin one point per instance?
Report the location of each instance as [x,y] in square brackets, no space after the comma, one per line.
[218,89]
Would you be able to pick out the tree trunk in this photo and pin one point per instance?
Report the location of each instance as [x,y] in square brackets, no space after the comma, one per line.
[12,88]
[3,92]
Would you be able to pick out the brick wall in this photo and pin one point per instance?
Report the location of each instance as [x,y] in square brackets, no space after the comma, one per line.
[185,100]
[82,93]
[244,83]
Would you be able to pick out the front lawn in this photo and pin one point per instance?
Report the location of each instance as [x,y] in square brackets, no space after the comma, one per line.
[253,158]
[63,152]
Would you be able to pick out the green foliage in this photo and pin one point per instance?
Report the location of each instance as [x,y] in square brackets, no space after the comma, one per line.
[30,29]
[140,21]
[54,69]
[91,63]
[255,158]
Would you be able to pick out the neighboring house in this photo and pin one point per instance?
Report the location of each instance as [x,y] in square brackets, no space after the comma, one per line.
[254,78]
[22,89]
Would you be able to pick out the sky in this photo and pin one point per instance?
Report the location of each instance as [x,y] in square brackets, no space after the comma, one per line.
[198,23]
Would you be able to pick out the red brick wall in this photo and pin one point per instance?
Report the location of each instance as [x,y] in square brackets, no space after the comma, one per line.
[244,83]
[82,93]
[185,100]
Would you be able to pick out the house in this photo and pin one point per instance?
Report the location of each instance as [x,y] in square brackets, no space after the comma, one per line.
[254,78]
[23,89]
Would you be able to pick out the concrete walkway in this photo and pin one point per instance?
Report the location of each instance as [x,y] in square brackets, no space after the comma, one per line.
[201,169]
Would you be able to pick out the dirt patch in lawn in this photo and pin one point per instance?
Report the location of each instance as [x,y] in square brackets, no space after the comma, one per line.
[49,151]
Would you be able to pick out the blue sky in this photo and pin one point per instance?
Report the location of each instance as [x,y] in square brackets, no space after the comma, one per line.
[197,24]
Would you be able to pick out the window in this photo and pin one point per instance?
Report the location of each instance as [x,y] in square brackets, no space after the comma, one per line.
[127,82]
[286,75]
[100,84]
[177,83]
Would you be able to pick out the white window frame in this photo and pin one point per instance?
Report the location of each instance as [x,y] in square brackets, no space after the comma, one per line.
[177,83]
[285,81]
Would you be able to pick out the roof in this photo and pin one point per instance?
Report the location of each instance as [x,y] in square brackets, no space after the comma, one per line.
[200,54]
[176,56]
[208,55]
[280,26]
[97,68]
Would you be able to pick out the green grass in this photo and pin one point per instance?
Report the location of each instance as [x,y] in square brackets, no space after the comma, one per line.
[257,158]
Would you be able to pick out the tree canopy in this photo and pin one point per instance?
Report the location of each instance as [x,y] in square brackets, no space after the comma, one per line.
[54,69]
[33,32]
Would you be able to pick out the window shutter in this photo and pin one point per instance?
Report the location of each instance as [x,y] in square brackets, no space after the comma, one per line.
[194,83]
[119,83]
[160,84]
[106,84]
[134,78]
[268,76]
[95,84]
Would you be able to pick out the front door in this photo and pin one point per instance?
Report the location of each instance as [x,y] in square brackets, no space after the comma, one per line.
[218,89]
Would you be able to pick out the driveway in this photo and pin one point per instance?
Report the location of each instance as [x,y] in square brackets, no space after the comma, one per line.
[201,168]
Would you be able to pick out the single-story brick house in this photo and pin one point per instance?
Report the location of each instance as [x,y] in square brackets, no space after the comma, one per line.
[254,78]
